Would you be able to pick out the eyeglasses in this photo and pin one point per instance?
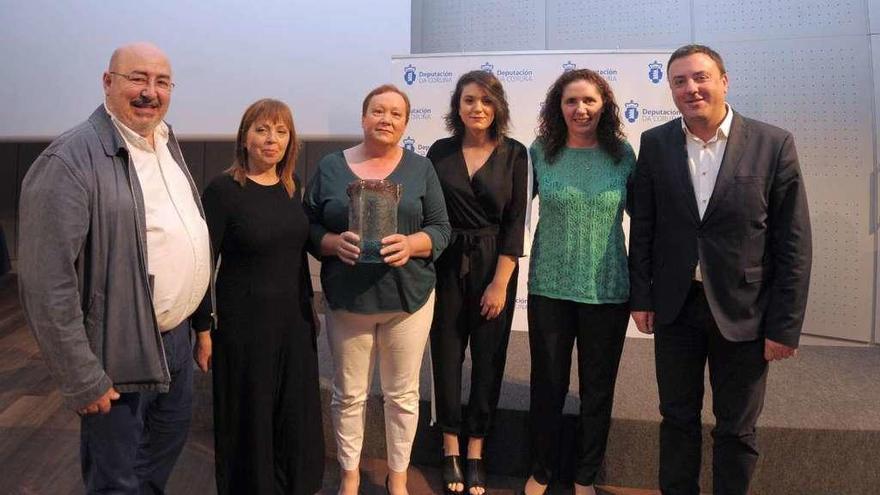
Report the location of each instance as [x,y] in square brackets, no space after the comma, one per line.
[142,81]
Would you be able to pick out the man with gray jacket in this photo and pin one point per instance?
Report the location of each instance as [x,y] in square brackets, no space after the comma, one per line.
[114,258]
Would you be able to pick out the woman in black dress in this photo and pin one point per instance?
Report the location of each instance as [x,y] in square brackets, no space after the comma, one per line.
[267,414]
[484,176]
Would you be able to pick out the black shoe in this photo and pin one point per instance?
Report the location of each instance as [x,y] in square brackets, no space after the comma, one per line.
[476,475]
[452,473]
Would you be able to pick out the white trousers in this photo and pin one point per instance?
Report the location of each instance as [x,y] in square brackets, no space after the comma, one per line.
[398,341]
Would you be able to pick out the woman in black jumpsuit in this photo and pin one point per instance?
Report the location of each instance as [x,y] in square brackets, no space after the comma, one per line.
[484,176]
[267,412]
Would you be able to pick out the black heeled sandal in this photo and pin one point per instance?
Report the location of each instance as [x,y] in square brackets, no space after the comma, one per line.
[452,474]
[476,475]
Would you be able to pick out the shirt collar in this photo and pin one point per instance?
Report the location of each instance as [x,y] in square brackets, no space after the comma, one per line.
[723,131]
[160,134]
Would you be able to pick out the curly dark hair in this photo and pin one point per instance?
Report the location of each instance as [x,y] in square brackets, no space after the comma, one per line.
[494,90]
[552,131]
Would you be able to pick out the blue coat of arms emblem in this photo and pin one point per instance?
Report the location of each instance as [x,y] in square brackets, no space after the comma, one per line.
[632,111]
[655,72]
[409,75]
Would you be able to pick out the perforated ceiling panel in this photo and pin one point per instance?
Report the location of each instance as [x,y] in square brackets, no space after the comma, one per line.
[503,25]
[819,89]
[775,19]
[604,24]
[874,16]
[441,26]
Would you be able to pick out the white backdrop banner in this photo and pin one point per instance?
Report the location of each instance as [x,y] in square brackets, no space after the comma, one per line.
[637,78]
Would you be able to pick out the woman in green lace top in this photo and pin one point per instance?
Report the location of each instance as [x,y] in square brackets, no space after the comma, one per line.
[578,279]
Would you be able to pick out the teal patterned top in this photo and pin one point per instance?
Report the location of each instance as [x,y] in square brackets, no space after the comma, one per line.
[579,253]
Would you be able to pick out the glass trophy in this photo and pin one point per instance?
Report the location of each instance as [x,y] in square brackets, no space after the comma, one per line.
[372,214]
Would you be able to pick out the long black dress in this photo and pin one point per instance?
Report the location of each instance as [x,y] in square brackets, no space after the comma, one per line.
[267,413]
[487,214]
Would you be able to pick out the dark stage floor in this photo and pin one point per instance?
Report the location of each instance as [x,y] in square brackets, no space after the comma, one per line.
[819,433]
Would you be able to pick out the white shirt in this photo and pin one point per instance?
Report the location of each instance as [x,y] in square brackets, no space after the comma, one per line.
[178,252]
[704,162]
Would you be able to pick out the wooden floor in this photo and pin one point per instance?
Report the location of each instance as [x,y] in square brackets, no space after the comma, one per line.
[39,437]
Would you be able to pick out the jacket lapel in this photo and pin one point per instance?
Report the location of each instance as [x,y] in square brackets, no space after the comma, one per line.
[679,161]
[106,132]
[732,154]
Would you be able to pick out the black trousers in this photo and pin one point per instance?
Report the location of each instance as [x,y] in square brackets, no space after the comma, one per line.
[738,376]
[554,326]
[133,448]
[5,266]
[457,323]
[268,433]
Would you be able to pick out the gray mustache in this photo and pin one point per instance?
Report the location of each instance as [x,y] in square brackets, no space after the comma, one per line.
[145,102]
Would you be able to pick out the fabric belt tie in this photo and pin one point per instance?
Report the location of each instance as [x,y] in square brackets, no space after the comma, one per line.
[470,241]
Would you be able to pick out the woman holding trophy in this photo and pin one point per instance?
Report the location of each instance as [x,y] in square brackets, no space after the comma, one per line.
[381,302]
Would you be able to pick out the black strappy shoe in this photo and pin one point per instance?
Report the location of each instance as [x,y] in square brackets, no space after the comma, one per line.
[476,475]
[452,474]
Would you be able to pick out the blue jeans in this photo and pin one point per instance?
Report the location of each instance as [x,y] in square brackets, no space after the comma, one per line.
[133,448]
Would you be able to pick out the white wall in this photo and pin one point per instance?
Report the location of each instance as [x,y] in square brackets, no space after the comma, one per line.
[810,66]
[320,57]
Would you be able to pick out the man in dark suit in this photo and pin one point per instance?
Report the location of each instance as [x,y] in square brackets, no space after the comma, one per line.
[720,256]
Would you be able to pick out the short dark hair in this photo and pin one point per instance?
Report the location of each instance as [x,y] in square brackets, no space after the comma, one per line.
[552,130]
[494,90]
[688,50]
[381,90]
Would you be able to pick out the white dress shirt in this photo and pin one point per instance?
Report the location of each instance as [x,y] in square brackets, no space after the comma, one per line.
[704,162]
[178,252]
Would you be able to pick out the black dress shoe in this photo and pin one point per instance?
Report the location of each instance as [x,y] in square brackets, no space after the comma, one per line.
[476,475]
[452,473]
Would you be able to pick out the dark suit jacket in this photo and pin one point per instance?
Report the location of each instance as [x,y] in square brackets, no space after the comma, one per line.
[753,243]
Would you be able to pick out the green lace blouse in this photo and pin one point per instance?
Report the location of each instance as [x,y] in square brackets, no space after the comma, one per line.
[579,251]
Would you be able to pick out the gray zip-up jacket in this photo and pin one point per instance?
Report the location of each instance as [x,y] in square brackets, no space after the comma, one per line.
[83,264]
